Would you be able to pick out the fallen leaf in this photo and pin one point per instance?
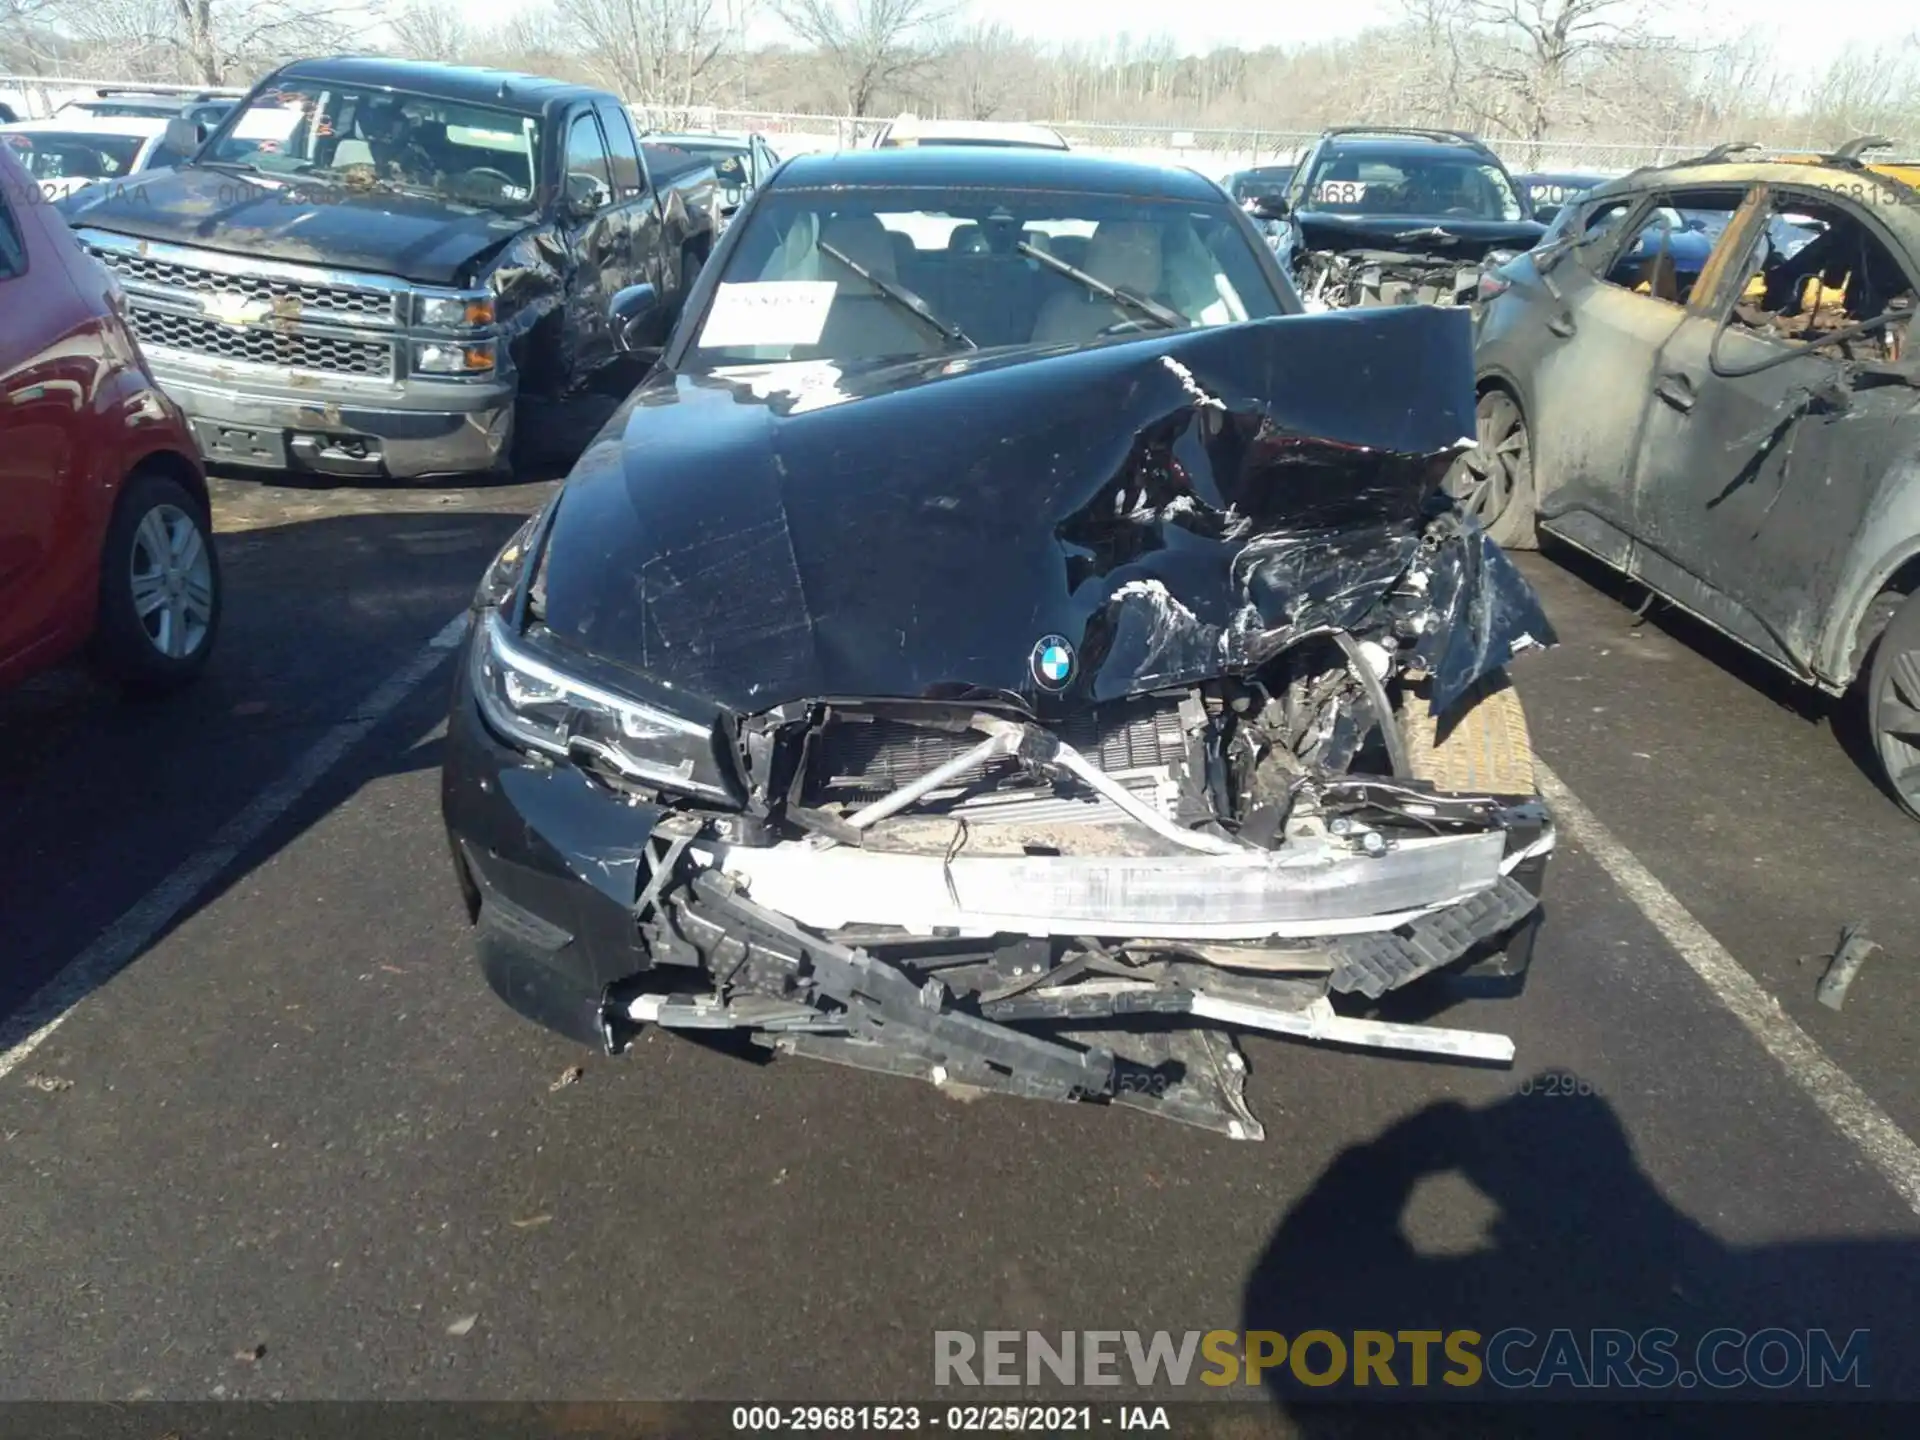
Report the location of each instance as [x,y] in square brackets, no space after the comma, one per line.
[49,1084]
[531,1221]
[568,1076]
[250,1354]
[463,1325]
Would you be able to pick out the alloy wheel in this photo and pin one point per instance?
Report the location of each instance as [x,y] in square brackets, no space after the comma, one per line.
[171,573]
[1488,475]
[1897,723]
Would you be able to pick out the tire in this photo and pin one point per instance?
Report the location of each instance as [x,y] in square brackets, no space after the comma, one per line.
[1893,703]
[1493,482]
[158,555]
[1486,750]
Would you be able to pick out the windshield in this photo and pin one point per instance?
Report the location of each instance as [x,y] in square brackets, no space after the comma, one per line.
[468,154]
[1427,186]
[64,155]
[990,271]
[1260,184]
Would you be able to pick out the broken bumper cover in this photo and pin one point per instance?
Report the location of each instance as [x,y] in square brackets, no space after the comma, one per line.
[252,416]
[596,914]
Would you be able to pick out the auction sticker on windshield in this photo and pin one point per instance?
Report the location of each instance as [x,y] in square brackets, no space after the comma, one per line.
[1340,192]
[768,312]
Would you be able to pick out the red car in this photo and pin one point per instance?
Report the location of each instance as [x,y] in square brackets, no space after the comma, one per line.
[106,533]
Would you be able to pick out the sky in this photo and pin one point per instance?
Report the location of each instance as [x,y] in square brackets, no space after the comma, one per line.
[1809,36]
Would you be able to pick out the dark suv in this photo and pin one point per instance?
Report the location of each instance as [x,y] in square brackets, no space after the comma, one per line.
[1382,216]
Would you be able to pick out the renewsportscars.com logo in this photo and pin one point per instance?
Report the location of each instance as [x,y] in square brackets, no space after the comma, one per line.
[1510,1359]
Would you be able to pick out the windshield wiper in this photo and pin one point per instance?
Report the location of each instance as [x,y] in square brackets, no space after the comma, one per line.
[1170,319]
[904,298]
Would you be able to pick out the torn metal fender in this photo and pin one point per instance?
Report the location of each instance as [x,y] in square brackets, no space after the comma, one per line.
[1484,613]
[529,287]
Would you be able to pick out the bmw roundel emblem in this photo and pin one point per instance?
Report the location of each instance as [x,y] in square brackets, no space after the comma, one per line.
[1053,662]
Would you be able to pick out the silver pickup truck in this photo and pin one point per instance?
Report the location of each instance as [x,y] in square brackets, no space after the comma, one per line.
[370,264]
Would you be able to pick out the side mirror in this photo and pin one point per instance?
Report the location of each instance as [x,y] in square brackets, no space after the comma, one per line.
[583,197]
[1271,207]
[183,135]
[629,312]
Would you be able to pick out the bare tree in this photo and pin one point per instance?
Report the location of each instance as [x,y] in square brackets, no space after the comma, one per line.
[1550,45]
[657,51]
[873,46]
[430,30]
[209,41]
[983,68]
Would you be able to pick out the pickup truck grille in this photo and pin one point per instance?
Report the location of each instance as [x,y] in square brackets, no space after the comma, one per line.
[261,345]
[317,302]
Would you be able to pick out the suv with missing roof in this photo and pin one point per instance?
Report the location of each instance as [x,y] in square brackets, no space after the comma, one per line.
[1739,434]
[1382,215]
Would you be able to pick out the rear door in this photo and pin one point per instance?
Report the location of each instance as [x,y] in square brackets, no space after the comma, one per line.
[1593,385]
[1762,458]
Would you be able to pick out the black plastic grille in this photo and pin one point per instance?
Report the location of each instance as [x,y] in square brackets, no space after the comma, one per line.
[262,346]
[317,300]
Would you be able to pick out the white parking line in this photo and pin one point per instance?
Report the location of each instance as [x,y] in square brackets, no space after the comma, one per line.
[1884,1144]
[122,941]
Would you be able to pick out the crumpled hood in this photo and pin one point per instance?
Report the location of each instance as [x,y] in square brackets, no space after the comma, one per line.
[413,237]
[1165,505]
[1453,236]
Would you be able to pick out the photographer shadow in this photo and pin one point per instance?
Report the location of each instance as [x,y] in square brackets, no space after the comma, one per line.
[1533,1212]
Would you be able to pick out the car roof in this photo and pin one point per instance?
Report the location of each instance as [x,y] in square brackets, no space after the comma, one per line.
[464,84]
[1016,132]
[1899,210]
[1387,146]
[143,126]
[1073,170]
[695,137]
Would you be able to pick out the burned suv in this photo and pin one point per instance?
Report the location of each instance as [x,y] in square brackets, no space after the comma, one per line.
[1384,216]
[1002,643]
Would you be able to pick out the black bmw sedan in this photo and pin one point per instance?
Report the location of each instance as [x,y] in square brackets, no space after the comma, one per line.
[1002,641]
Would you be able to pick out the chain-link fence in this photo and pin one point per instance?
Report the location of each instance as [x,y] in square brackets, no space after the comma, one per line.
[1212,151]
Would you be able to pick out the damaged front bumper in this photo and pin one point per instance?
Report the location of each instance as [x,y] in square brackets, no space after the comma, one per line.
[1117,977]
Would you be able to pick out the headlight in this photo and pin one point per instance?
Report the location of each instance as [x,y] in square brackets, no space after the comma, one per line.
[474,358]
[534,705]
[453,311]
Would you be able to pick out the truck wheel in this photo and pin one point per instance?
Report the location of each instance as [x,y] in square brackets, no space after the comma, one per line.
[159,587]
[1486,750]
[1893,699]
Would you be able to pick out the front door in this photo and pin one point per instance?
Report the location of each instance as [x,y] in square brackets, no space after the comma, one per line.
[1590,386]
[1763,453]
[598,234]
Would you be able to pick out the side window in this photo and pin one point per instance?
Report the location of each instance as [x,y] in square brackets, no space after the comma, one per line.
[628,178]
[13,247]
[1816,270]
[1676,234]
[589,171]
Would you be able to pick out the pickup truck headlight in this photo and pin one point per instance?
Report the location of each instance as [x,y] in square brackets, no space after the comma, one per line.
[539,707]
[475,358]
[453,311]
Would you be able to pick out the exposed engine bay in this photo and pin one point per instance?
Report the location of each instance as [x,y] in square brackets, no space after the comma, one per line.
[960,891]
[1344,279]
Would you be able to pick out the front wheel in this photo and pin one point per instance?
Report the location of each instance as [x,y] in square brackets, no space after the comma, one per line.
[160,587]
[1893,691]
[1493,482]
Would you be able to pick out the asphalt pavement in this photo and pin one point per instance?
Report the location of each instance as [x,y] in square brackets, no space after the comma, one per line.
[283,1143]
